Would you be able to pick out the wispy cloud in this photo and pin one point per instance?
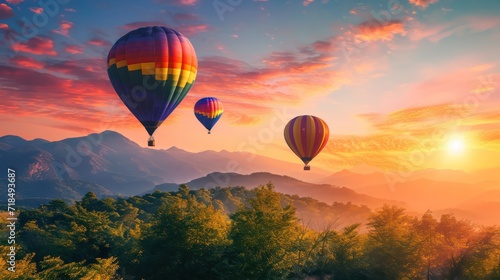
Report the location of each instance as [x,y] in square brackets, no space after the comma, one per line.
[422,3]
[27,62]
[179,2]
[38,10]
[437,32]
[372,31]
[282,80]
[74,49]
[400,133]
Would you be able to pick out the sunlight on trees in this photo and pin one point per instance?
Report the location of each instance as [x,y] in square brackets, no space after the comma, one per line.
[236,233]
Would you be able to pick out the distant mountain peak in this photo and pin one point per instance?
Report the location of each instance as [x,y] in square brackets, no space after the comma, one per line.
[13,140]
[175,149]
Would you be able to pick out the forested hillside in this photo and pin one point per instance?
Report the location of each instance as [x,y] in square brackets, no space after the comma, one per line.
[235,233]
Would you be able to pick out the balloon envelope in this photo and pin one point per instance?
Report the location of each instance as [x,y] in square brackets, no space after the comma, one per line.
[306,136]
[152,70]
[208,111]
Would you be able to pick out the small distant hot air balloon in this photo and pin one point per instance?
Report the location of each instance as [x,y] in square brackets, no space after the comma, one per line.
[152,70]
[306,136]
[208,111]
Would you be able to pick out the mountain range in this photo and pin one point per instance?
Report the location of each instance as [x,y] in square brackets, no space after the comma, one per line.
[286,185]
[108,163]
[123,167]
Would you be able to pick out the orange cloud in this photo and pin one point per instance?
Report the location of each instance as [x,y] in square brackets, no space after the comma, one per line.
[402,134]
[283,80]
[372,31]
[5,11]
[422,3]
[36,45]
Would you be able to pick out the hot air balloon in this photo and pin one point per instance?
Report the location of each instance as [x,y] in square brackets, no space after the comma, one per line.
[152,70]
[306,136]
[208,111]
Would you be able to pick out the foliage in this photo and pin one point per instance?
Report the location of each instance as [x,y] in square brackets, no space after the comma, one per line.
[236,233]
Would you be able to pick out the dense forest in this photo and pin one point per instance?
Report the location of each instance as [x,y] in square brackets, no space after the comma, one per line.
[236,233]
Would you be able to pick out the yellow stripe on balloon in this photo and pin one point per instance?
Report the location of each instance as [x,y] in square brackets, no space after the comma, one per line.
[111,62]
[210,115]
[134,67]
[161,74]
[122,63]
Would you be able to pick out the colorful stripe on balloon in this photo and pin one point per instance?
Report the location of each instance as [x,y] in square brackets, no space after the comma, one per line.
[208,110]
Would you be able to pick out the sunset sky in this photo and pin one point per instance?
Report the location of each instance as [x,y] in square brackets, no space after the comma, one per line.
[407,84]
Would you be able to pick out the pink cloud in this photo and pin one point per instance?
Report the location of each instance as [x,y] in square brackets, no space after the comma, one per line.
[423,3]
[374,31]
[438,32]
[27,62]
[190,30]
[283,79]
[5,11]
[99,42]
[14,2]
[71,10]
[185,2]
[307,2]
[186,17]
[36,45]
[73,102]
[64,28]
[74,49]
[38,10]
[4,26]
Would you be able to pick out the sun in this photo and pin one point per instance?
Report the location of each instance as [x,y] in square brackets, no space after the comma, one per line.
[456,146]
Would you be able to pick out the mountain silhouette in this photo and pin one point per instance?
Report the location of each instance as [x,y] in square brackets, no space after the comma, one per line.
[120,165]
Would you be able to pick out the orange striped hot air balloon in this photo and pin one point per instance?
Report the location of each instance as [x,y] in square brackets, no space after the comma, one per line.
[306,136]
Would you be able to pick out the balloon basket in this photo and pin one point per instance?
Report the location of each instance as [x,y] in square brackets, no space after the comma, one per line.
[209,132]
[307,167]
[151,142]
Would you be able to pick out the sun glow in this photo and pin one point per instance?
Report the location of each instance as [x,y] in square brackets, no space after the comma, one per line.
[456,146]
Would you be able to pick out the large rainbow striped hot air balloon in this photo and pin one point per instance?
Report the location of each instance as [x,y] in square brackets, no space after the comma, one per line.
[152,70]
[306,136]
[208,111]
